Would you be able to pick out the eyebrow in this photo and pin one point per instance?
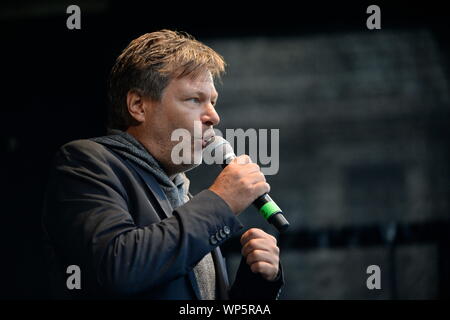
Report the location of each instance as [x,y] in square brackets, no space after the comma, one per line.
[202,94]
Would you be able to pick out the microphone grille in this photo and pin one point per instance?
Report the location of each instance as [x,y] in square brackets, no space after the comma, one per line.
[217,145]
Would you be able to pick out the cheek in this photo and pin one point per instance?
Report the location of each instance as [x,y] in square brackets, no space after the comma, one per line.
[189,120]
[179,115]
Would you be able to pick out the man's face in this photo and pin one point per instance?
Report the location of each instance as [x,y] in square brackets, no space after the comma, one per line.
[185,101]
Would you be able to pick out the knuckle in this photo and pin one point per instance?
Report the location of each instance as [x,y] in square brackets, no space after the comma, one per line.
[273,239]
[260,176]
[248,191]
[243,159]
[253,244]
[249,182]
[257,189]
[275,265]
[256,267]
[245,183]
[252,256]
[244,240]
[245,237]
[276,252]
[253,190]
[237,172]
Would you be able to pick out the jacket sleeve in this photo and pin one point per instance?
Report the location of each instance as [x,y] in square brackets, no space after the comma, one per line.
[252,286]
[88,222]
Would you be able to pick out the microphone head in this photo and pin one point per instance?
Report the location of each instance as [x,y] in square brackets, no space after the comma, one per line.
[219,149]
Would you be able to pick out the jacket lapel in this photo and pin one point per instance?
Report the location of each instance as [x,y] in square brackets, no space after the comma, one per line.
[155,190]
[165,208]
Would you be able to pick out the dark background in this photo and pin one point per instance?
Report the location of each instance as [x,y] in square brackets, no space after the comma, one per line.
[363,118]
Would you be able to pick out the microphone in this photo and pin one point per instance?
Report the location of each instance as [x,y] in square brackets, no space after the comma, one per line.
[270,211]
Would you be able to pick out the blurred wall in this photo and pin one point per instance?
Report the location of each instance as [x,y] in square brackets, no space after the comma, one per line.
[363,143]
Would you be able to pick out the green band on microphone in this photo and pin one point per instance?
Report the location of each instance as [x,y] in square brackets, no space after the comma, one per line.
[268,209]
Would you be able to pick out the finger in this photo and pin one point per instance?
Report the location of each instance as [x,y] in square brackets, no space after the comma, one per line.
[255,177]
[252,233]
[260,188]
[259,244]
[247,169]
[253,168]
[256,233]
[243,159]
[262,255]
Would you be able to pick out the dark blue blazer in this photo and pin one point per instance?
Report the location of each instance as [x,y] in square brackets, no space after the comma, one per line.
[106,216]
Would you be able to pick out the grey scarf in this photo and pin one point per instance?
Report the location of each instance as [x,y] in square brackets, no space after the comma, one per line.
[176,191]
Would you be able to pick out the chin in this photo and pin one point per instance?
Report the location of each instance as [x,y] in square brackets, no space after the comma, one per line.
[195,161]
[187,167]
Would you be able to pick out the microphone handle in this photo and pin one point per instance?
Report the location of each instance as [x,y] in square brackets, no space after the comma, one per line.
[267,207]
[271,212]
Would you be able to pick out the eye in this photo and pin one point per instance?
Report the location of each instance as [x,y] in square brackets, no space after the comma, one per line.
[195,100]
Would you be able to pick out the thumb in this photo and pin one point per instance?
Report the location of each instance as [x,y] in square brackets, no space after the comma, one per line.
[243,159]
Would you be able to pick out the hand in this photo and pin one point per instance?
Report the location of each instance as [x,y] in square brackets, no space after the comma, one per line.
[261,253]
[240,183]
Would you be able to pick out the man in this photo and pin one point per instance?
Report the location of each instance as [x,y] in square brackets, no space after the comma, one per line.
[118,206]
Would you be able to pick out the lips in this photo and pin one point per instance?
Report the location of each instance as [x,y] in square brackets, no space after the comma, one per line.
[206,139]
[202,140]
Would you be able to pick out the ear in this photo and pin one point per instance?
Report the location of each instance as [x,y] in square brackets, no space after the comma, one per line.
[136,105]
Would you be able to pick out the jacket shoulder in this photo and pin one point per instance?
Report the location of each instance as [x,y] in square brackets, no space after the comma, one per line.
[87,151]
[89,162]
[84,147]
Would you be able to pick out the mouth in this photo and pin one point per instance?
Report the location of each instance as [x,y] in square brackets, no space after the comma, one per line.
[207,139]
[203,141]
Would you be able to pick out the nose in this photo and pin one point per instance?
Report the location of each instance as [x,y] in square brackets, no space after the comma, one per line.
[210,117]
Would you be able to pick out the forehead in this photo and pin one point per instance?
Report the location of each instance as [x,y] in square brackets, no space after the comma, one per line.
[201,83]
